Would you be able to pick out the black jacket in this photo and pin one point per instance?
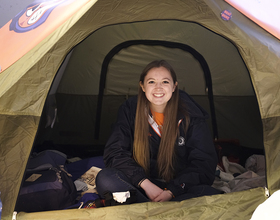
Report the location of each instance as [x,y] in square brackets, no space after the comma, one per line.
[196,158]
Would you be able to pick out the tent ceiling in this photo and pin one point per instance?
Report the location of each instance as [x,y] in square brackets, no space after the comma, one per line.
[123,70]
[229,74]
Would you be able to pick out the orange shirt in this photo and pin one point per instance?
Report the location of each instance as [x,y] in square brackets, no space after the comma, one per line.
[158,118]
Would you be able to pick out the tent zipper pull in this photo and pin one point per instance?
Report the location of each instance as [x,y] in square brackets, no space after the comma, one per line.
[14,216]
[266,191]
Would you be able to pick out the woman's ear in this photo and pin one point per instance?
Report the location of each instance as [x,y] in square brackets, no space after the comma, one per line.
[142,86]
[175,84]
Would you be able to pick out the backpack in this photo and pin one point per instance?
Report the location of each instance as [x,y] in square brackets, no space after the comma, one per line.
[47,185]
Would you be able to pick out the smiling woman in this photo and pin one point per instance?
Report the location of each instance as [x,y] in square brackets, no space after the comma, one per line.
[176,162]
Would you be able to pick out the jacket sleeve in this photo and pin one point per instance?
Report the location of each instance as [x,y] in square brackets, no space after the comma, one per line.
[118,152]
[199,160]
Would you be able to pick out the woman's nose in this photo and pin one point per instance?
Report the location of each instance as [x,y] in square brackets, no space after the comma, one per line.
[158,85]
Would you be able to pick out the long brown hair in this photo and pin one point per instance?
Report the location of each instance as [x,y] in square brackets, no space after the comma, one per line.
[166,153]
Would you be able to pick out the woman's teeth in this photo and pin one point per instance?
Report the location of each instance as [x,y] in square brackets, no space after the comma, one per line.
[158,95]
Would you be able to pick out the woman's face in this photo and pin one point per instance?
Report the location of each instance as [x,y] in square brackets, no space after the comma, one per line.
[158,87]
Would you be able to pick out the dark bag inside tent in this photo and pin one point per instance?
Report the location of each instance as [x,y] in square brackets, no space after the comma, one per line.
[100,73]
[47,185]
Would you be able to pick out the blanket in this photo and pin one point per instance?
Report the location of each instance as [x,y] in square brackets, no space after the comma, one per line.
[233,177]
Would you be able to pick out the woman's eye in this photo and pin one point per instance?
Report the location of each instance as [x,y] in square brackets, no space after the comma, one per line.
[151,82]
[165,82]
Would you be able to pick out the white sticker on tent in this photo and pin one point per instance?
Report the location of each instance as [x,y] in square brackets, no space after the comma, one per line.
[33,177]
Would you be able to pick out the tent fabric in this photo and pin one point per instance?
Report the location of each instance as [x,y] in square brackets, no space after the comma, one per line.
[268,209]
[41,24]
[263,13]
[24,87]
[209,207]
[128,62]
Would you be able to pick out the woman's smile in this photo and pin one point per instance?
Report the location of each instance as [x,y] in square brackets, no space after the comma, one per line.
[158,95]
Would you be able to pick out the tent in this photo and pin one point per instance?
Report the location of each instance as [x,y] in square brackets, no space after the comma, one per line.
[64,75]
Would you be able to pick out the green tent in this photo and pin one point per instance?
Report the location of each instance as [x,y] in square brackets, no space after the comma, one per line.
[67,88]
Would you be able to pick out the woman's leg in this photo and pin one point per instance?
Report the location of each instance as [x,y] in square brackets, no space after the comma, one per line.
[197,191]
[113,180]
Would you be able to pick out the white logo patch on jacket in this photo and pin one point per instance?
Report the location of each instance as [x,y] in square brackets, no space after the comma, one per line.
[181,141]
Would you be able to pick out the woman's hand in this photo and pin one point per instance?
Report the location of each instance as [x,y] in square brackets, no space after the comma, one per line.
[151,190]
[166,195]
[154,193]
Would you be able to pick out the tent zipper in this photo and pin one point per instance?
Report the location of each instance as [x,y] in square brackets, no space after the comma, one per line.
[14,216]
[266,192]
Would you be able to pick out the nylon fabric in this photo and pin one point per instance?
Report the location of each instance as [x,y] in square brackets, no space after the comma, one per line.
[230,206]
[24,87]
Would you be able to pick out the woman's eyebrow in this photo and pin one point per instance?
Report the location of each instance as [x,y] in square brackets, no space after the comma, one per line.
[161,79]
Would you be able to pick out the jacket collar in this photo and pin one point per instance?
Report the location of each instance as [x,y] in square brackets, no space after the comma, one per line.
[155,126]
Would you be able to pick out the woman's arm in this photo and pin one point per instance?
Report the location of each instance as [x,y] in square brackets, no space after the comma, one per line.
[199,160]
[118,152]
[151,190]
[154,193]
